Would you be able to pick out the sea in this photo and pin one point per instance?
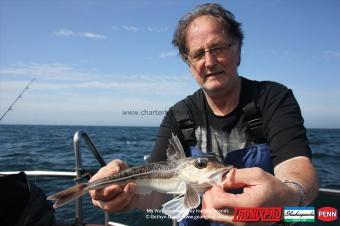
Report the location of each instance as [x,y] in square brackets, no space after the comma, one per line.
[35,147]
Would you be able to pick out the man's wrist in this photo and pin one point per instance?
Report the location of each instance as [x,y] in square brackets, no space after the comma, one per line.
[297,187]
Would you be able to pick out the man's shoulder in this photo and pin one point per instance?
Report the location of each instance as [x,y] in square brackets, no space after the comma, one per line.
[192,101]
[265,84]
[262,89]
[191,107]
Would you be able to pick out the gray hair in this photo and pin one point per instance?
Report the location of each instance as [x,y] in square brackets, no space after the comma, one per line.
[225,17]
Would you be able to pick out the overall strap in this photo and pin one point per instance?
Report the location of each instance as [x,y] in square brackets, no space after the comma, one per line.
[185,122]
[253,117]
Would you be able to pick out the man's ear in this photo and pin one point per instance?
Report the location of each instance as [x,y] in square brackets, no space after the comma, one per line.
[239,57]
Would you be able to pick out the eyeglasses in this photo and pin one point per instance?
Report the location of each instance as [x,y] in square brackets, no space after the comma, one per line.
[218,51]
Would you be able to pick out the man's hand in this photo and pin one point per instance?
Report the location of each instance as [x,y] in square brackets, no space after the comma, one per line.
[260,189]
[115,198]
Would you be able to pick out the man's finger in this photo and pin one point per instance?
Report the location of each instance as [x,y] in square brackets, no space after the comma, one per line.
[109,192]
[220,199]
[106,193]
[120,202]
[239,178]
[110,169]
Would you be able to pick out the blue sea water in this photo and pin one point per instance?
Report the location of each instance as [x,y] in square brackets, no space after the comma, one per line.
[27,147]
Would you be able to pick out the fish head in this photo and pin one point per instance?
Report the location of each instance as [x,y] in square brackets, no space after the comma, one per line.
[203,171]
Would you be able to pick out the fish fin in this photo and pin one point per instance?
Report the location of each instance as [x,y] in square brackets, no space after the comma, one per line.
[192,198]
[175,150]
[181,189]
[68,195]
[175,208]
[179,207]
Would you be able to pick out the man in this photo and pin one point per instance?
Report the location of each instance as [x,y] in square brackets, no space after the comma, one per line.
[255,126]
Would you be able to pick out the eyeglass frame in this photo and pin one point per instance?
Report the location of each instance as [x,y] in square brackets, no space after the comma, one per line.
[223,47]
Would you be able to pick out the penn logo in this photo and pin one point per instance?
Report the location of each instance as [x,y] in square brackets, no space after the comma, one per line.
[327,214]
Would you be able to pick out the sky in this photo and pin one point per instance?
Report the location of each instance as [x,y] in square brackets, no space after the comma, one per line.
[94,60]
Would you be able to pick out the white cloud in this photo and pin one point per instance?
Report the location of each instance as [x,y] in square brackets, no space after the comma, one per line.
[157,29]
[65,94]
[64,33]
[46,71]
[164,55]
[61,76]
[91,35]
[74,108]
[167,54]
[69,33]
[130,28]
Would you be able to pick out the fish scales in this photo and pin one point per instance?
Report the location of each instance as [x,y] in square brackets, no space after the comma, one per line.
[159,170]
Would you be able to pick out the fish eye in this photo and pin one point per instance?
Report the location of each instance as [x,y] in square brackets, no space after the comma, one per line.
[201,163]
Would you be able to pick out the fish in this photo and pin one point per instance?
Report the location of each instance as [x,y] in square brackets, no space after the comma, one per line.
[187,178]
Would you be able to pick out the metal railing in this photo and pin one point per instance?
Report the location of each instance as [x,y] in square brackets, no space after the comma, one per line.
[329,191]
[78,174]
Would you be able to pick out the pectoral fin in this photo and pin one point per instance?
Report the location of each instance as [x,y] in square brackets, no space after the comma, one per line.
[179,207]
[191,199]
[175,208]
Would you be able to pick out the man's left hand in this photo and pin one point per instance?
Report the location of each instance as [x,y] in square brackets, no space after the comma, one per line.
[260,189]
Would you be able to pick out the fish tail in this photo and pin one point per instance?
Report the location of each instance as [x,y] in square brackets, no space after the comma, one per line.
[68,195]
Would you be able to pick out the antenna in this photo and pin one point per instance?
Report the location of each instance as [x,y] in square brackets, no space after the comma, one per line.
[18,97]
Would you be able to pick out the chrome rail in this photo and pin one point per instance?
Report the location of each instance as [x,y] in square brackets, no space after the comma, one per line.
[78,174]
[42,173]
[80,171]
[330,191]
[91,145]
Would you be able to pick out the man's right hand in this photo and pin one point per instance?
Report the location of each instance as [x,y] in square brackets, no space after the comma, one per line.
[115,198]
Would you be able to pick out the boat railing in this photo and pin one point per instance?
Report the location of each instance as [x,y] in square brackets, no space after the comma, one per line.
[78,174]
[329,191]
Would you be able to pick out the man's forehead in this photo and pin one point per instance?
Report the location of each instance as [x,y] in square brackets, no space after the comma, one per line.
[204,31]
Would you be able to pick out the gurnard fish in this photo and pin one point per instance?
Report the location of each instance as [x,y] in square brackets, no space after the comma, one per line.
[186,177]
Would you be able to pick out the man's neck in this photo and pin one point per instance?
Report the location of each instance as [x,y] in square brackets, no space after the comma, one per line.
[225,101]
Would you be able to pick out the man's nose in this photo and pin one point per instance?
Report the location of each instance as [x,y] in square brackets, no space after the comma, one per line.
[209,59]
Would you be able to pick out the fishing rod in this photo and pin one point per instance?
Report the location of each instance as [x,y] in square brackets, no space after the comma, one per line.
[18,97]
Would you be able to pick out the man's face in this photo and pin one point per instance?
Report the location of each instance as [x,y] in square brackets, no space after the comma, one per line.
[217,70]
